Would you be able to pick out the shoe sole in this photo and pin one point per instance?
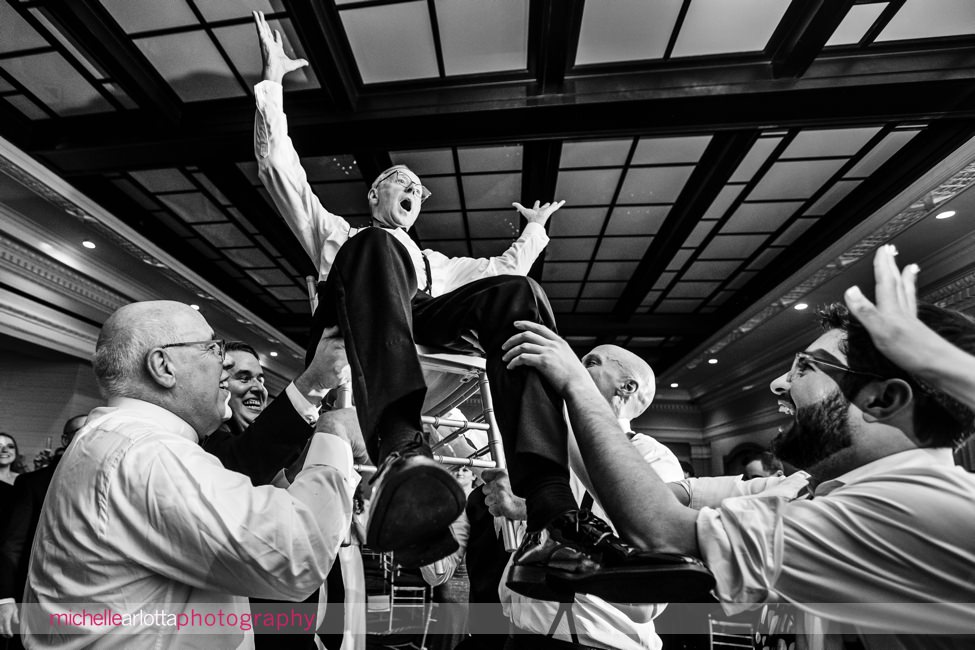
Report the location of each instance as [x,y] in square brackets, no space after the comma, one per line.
[412,507]
[684,583]
[427,552]
[532,581]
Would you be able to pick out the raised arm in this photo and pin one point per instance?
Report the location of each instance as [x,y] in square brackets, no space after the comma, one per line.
[640,505]
[901,337]
[278,164]
[516,260]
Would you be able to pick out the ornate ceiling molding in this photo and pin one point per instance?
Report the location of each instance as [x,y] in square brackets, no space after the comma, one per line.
[34,267]
[27,320]
[900,222]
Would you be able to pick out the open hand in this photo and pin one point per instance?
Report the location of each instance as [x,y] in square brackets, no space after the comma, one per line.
[892,323]
[276,62]
[538,347]
[538,214]
[329,367]
[9,619]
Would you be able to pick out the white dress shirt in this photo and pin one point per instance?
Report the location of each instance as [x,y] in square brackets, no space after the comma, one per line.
[139,518]
[322,233]
[885,551]
[597,622]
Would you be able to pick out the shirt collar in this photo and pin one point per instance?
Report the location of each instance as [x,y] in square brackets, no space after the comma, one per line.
[160,416]
[921,457]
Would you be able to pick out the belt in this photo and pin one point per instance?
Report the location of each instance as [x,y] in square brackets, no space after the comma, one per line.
[523,639]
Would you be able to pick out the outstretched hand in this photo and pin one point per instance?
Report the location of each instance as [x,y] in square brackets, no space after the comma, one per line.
[892,323]
[329,367]
[276,62]
[344,423]
[538,213]
[538,347]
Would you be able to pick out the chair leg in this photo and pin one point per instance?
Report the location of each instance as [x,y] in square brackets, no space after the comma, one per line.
[497,452]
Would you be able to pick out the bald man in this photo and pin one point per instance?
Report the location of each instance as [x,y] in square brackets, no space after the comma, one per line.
[628,384]
[144,527]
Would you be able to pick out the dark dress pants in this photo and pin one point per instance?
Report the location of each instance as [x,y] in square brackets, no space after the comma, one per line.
[371,294]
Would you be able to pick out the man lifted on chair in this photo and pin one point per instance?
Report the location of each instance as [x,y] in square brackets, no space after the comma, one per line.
[385,295]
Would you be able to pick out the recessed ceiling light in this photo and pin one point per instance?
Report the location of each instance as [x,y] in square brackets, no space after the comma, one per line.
[712,361]
[947,214]
[799,306]
[748,387]
[88,243]
[196,307]
[274,354]
[674,385]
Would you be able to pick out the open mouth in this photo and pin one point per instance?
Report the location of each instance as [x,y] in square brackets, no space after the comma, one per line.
[787,407]
[406,204]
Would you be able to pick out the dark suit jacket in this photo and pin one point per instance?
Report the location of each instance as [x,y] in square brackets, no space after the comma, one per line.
[272,441]
[17,536]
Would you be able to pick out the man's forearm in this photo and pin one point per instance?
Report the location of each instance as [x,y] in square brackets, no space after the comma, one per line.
[640,505]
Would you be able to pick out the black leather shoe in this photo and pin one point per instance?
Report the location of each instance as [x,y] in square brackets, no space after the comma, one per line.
[414,501]
[578,552]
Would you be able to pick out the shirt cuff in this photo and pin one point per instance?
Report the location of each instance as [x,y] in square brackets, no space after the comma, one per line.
[533,229]
[305,409]
[7,601]
[268,91]
[331,451]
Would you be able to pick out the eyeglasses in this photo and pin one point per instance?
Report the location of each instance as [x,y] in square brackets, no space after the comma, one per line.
[217,346]
[805,361]
[401,178]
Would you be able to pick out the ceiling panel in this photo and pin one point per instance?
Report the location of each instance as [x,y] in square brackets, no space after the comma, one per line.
[760,217]
[692,289]
[625,30]
[480,37]
[609,271]
[719,26]
[794,180]
[637,220]
[564,271]
[820,143]
[654,184]
[603,290]
[193,207]
[391,42]
[622,248]
[858,20]
[444,194]
[223,235]
[213,10]
[677,262]
[144,15]
[595,153]
[877,156]
[27,106]
[343,198]
[836,193]
[450,248]
[426,161]
[931,19]
[571,249]
[490,191]
[722,202]
[663,151]
[581,222]
[594,306]
[192,65]
[754,159]
[495,224]
[559,290]
[732,246]
[489,159]
[590,187]
[16,33]
[56,83]
[163,180]
[702,270]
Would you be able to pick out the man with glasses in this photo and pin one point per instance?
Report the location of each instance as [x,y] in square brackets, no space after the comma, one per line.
[139,519]
[385,294]
[883,550]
